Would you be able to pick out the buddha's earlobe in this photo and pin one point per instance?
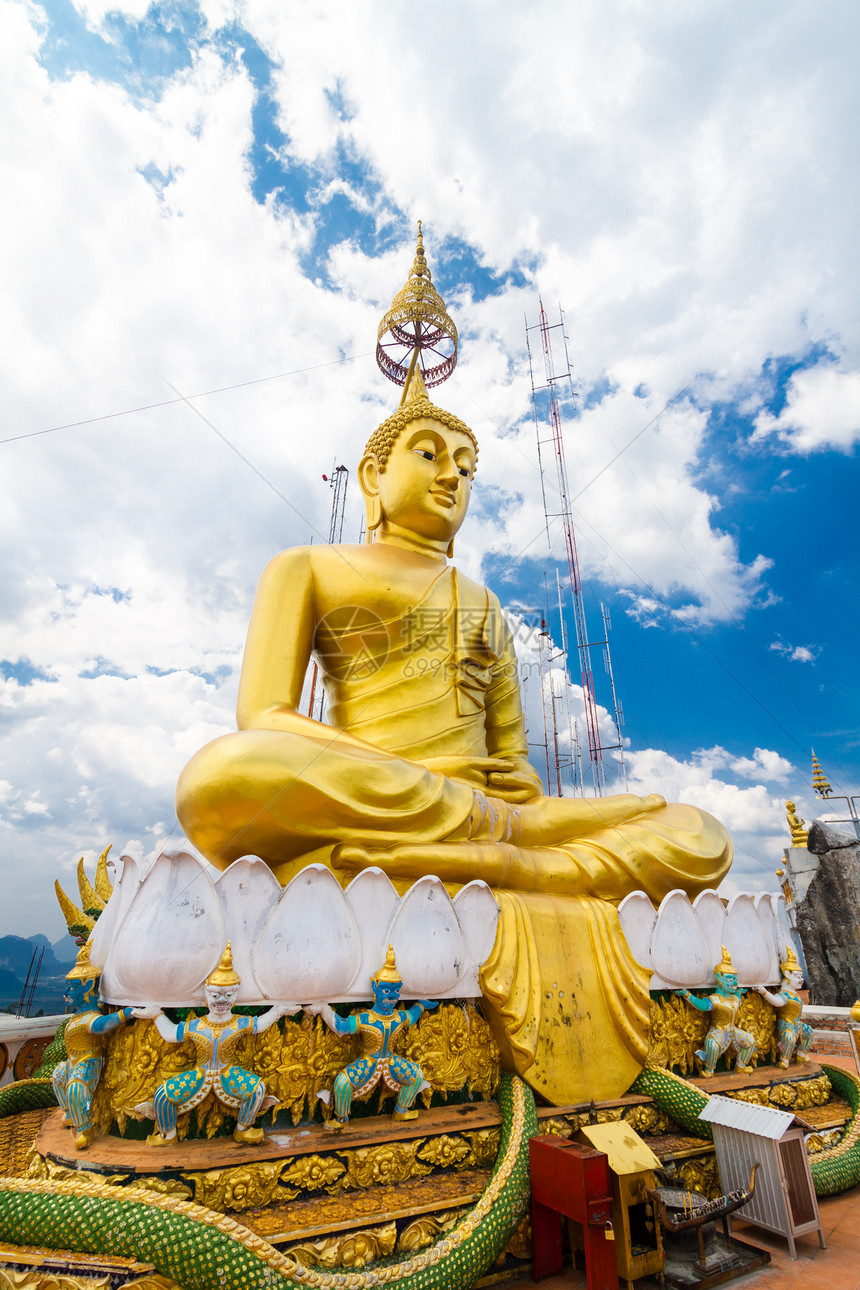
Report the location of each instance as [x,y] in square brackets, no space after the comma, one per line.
[373,511]
[450,551]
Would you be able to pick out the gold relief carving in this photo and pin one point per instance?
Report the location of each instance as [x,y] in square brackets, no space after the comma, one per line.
[758,1017]
[455,1048]
[446,1152]
[812,1092]
[424,1230]
[783,1095]
[165,1186]
[611,1115]
[393,1162]
[353,1250]
[822,1140]
[485,1146]
[676,1031]
[557,1127]
[241,1187]
[314,1173]
[647,1119]
[520,1244]
[701,1176]
[758,1096]
[40,1279]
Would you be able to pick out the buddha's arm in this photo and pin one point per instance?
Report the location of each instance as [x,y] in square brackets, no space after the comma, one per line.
[278,649]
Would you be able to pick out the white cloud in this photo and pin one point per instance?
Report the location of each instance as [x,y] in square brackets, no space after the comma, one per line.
[822,410]
[668,172]
[796,653]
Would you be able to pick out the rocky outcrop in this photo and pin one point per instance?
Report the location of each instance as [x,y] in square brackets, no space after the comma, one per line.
[828,917]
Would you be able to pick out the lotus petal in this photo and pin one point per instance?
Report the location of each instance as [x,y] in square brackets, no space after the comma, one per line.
[374,902]
[746,942]
[637,917]
[104,932]
[428,944]
[248,891]
[678,945]
[711,913]
[172,937]
[310,948]
[478,915]
[764,908]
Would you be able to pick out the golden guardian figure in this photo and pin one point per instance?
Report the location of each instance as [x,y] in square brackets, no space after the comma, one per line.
[423,766]
[75,1080]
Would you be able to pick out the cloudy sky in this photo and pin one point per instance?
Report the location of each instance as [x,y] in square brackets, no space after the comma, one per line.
[207,207]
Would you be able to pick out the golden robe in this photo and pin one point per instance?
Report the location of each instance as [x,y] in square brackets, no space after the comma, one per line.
[415,682]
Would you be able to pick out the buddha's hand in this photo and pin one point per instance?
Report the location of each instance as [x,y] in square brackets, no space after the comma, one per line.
[511,779]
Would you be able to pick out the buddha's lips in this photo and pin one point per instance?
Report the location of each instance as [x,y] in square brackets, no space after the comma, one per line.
[443,495]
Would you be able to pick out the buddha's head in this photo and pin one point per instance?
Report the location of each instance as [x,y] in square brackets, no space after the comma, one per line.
[417,470]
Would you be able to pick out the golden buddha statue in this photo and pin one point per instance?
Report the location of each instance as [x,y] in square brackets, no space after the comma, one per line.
[423,767]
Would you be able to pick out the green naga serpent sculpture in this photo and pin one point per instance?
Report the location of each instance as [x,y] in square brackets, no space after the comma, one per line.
[203,1250]
[832,1171]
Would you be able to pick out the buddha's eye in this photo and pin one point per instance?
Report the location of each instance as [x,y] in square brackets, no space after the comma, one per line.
[425,453]
[463,471]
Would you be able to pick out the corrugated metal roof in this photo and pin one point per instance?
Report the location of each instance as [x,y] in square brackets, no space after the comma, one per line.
[763,1121]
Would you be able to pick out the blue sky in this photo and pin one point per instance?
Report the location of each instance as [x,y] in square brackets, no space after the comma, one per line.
[219,196]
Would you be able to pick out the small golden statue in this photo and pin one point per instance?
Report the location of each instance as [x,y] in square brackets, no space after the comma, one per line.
[794,1037]
[377,1030]
[215,1037]
[76,1080]
[799,834]
[723,1036]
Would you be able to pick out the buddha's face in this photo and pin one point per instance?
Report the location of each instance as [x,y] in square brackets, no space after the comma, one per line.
[427,480]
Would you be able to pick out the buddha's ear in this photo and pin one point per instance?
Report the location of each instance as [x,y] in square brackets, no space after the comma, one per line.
[368,482]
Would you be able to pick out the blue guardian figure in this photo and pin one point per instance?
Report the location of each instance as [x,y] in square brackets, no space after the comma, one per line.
[793,1036]
[377,1030]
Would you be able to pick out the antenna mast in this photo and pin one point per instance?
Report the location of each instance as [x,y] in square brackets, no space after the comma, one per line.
[338,482]
[547,408]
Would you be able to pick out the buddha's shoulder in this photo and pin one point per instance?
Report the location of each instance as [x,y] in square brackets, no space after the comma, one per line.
[309,560]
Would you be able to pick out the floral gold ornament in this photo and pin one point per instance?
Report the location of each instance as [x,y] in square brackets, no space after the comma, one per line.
[347,1250]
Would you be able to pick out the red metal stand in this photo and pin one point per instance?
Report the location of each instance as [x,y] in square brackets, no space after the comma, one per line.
[571,1181]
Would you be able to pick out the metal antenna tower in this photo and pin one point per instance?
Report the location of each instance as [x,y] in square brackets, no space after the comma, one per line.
[338,482]
[547,408]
